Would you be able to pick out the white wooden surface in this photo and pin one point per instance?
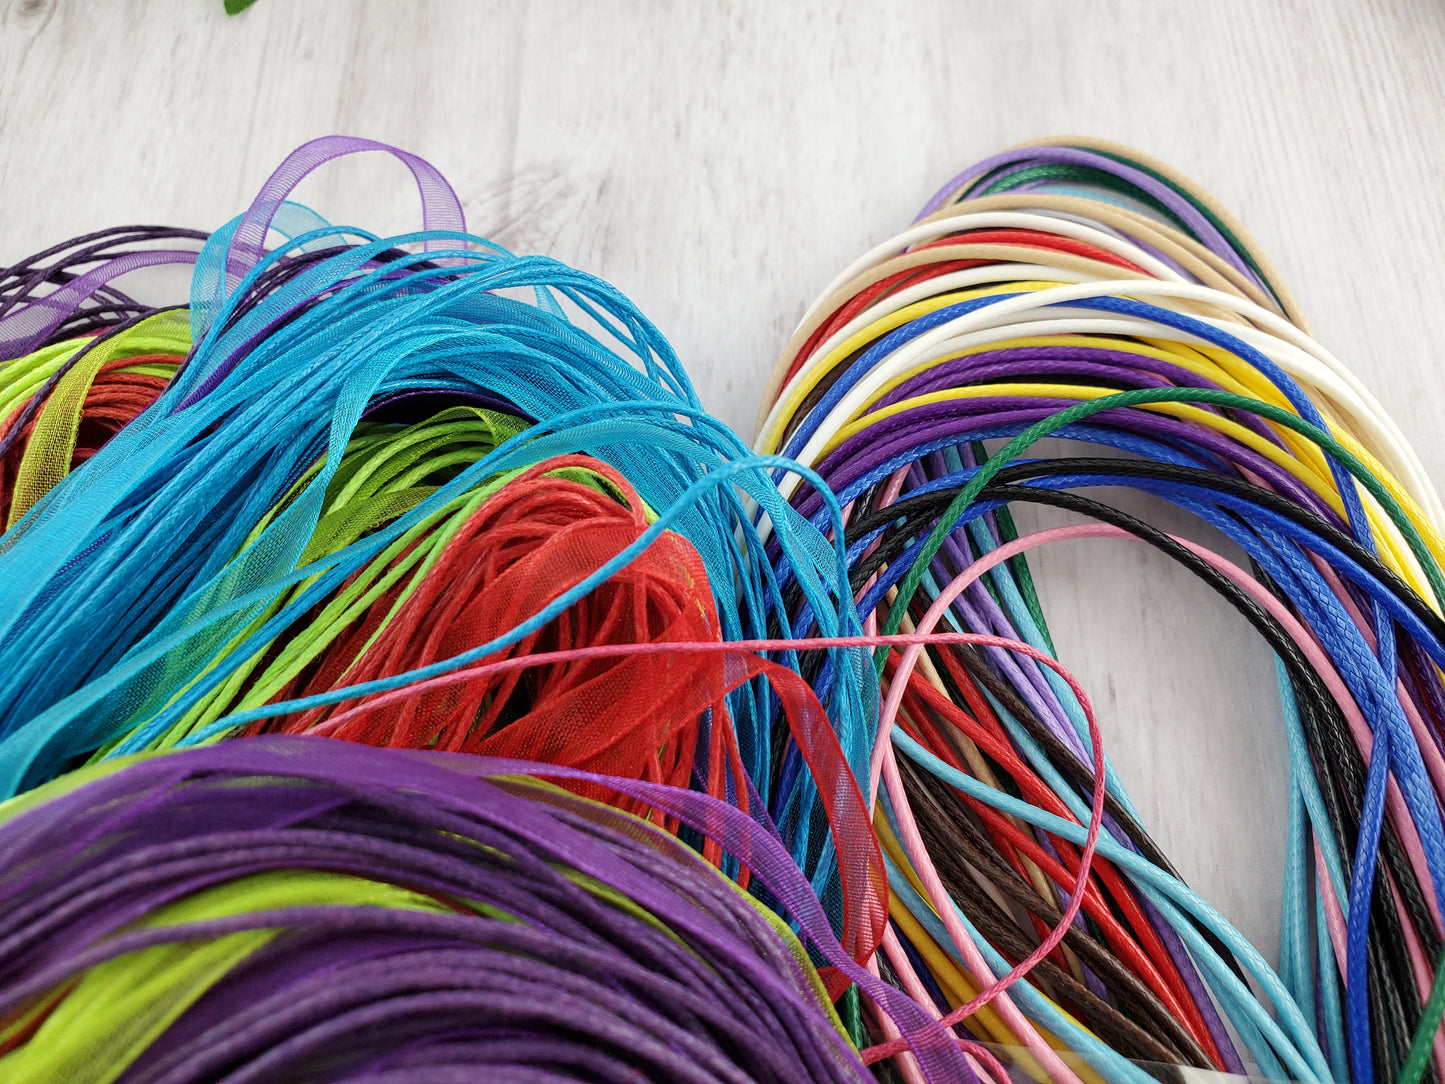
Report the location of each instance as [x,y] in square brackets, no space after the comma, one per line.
[720,162]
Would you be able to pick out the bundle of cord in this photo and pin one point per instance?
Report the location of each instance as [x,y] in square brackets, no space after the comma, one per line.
[358,419]
[297,909]
[1075,289]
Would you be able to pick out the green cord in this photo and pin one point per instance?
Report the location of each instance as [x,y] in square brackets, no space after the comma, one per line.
[850,1011]
[1019,565]
[1419,1056]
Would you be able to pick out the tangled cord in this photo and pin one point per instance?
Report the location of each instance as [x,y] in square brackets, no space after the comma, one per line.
[420,493]
[1078,290]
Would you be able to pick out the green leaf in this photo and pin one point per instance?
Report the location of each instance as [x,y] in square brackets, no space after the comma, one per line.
[235,6]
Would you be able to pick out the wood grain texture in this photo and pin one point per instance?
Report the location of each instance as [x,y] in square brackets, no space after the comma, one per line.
[721,162]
